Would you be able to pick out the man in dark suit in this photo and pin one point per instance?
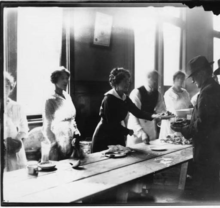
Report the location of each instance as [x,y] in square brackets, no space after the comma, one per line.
[204,129]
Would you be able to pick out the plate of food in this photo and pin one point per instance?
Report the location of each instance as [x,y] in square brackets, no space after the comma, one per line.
[47,165]
[176,138]
[158,148]
[167,115]
[180,122]
[117,151]
[115,154]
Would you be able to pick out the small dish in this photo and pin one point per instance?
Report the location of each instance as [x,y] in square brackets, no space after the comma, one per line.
[116,154]
[47,166]
[158,148]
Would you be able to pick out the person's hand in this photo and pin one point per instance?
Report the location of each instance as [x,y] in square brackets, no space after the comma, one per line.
[131,132]
[156,116]
[177,129]
[145,138]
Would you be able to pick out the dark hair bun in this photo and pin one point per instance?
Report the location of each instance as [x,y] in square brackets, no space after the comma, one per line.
[117,74]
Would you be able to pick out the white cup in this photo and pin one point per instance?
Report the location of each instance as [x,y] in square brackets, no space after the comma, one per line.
[45,150]
[86,146]
[32,170]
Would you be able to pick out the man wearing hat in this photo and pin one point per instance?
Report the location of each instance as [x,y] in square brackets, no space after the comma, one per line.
[204,129]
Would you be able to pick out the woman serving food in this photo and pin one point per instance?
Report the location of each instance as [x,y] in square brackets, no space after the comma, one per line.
[114,109]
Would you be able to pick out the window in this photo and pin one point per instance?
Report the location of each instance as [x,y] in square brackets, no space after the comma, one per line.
[216,23]
[158,41]
[216,48]
[144,47]
[39,37]
[216,40]
[171,35]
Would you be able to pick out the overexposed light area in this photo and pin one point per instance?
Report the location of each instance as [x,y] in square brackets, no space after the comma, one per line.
[216,22]
[39,49]
[171,11]
[171,35]
[145,33]
[216,48]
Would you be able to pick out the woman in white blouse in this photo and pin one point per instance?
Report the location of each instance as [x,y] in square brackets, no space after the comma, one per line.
[15,128]
[176,97]
[59,117]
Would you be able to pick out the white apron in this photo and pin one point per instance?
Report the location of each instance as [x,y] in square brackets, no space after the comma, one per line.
[174,101]
[138,125]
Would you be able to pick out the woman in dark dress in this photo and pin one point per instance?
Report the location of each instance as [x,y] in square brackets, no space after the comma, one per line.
[114,109]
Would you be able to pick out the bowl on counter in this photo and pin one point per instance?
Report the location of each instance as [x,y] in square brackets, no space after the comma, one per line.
[33,153]
[182,113]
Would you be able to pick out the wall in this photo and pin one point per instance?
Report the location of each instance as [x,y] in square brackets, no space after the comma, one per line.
[199,40]
[91,64]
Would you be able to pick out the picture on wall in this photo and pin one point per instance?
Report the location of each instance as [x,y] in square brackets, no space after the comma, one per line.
[103,27]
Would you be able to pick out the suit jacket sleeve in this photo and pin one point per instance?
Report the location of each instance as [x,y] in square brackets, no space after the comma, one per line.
[206,116]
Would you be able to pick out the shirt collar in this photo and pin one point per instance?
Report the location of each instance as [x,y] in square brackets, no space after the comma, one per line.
[148,88]
[114,93]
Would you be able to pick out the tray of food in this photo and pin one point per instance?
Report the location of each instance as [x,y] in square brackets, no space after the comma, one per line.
[166,115]
[176,138]
[117,151]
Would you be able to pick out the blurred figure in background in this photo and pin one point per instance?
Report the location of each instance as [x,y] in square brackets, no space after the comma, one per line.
[146,98]
[176,98]
[15,128]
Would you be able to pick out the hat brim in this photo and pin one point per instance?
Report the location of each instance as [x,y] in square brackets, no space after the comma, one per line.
[197,70]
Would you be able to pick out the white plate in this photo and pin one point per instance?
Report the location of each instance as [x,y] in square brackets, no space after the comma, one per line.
[167,117]
[158,148]
[47,166]
[116,154]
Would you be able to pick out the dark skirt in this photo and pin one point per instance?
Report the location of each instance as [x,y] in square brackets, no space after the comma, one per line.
[104,136]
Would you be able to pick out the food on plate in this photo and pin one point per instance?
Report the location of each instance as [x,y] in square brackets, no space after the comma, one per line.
[117,149]
[167,114]
[180,122]
[176,138]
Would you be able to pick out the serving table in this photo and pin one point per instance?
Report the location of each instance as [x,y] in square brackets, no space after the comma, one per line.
[97,174]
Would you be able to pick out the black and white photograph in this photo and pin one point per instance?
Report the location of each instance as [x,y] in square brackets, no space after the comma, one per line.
[110,104]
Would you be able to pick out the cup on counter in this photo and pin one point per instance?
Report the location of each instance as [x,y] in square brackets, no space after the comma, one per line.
[86,146]
[33,168]
[45,150]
